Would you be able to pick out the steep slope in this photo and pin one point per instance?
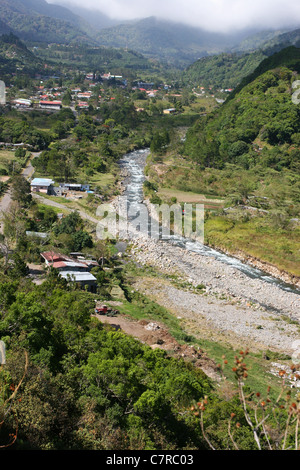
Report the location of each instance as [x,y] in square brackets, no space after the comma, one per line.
[262,40]
[224,70]
[36,20]
[286,57]
[95,18]
[15,57]
[260,111]
[289,38]
[247,153]
[4,28]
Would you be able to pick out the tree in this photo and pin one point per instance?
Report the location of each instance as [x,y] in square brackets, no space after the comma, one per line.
[160,141]
[21,191]
[8,394]
[81,239]
[19,268]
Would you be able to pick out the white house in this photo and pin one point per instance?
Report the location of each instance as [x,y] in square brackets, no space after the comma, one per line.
[41,185]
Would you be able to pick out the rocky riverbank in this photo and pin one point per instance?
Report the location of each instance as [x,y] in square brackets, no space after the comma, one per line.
[230,307]
[266,267]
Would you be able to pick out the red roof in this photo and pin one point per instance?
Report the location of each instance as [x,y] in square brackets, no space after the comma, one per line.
[59,264]
[54,257]
[50,102]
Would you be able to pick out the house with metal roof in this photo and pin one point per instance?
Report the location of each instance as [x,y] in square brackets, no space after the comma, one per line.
[42,185]
[73,270]
[84,279]
[54,105]
[70,266]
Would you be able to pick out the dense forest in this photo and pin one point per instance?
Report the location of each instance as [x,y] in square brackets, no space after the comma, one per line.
[88,387]
[230,134]
[223,70]
[40,21]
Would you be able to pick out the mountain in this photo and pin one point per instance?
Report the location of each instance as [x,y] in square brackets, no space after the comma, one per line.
[170,42]
[258,124]
[224,70]
[227,70]
[95,18]
[289,38]
[4,28]
[16,58]
[261,39]
[36,20]
[96,59]
[285,57]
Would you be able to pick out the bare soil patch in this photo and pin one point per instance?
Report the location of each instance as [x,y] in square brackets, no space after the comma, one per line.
[156,335]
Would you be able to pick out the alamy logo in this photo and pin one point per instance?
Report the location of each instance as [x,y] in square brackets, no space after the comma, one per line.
[296,94]
[296,353]
[2,353]
[123,220]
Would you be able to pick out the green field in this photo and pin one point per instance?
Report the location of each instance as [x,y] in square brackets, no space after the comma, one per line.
[6,157]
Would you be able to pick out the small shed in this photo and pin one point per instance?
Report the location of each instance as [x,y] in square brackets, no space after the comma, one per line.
[84,279]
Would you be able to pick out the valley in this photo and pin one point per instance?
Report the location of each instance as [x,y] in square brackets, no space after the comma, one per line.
[157,114]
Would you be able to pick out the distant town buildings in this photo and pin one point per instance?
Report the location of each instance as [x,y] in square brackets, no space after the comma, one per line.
[22,103]
[56,105]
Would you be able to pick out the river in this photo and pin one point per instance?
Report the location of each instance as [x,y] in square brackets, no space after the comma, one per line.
[133,164]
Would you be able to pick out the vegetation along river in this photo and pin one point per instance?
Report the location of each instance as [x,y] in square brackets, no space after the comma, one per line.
[133,165]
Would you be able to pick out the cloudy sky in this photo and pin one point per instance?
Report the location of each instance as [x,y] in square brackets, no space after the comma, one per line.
[214,15]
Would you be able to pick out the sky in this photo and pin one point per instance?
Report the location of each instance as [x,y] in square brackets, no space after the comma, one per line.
[212,15]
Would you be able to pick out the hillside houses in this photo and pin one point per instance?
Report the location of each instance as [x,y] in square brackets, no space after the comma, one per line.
[74,269]
[47,186]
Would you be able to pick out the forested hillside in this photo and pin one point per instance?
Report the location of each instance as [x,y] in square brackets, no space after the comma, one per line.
[222,70]
[89,387]
[36,20]
[172,43]
[15,58]
[261,113]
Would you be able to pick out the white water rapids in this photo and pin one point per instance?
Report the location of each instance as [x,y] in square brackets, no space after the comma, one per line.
[134,163]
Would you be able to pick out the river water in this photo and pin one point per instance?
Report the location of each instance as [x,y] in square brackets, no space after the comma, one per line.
[134,164]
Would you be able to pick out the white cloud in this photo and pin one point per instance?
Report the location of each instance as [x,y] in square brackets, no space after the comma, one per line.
[214,15]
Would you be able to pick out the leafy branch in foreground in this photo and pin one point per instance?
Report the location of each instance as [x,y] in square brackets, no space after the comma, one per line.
[274,423]
[8,393]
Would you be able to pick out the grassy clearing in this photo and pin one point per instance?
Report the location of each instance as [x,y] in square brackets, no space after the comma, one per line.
[6,157]
[190,197]
[102,180]
[257,238]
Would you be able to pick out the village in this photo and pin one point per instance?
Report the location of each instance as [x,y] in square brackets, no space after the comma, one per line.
[51,98]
